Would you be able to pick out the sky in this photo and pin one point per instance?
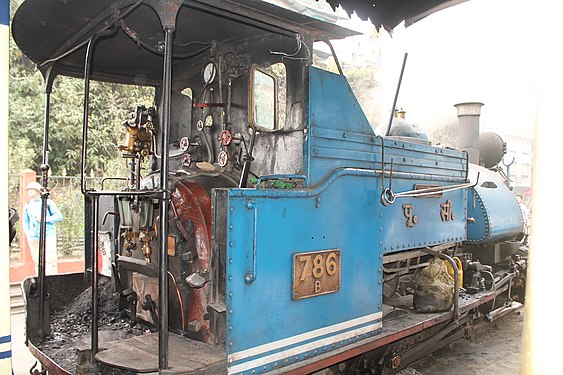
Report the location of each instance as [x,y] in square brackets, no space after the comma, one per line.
[480,50]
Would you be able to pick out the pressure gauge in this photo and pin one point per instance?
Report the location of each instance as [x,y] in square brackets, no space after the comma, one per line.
[209,73]
[223,158]
[184,144]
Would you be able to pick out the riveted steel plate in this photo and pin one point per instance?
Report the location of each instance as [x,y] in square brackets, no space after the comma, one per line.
[316,273]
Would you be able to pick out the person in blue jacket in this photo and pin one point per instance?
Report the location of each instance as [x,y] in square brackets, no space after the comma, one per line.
[32,226]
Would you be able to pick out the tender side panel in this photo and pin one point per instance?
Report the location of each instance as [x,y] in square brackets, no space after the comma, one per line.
[413,222]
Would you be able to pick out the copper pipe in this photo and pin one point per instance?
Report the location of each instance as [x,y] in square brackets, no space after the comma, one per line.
[179,299]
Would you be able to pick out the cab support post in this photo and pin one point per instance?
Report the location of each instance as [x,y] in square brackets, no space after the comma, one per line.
[48,77]
[167,12]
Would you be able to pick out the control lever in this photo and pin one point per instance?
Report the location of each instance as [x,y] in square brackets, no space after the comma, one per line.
[151,307]
[129,294]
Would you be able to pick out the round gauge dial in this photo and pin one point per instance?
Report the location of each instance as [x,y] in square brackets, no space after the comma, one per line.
[223,158]
[209,73]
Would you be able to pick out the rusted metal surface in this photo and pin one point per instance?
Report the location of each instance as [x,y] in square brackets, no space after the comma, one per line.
[47,362]
[193,204]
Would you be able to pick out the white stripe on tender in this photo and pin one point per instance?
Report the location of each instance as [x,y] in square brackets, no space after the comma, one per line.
[303,337]
[301,349]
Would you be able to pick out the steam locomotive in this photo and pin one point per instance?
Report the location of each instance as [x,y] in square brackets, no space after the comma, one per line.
[274,232]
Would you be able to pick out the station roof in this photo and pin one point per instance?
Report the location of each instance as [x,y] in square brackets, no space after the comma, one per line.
[389,13]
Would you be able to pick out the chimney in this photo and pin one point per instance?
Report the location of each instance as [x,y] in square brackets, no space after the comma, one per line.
[468,139]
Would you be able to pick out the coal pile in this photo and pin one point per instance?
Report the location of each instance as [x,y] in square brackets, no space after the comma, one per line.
[70,326]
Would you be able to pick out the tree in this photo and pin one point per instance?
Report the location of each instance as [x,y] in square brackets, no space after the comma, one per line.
[108,106]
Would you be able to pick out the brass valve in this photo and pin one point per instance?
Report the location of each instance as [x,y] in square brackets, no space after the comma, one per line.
[129,244]
[146,237]
[139,129]
[137,141]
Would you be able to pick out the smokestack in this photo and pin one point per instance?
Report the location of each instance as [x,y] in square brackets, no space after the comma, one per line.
[468,139]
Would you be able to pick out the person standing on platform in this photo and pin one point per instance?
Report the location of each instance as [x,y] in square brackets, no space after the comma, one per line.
[32,227]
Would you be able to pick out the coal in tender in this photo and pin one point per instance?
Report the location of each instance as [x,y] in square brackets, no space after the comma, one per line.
[70,326]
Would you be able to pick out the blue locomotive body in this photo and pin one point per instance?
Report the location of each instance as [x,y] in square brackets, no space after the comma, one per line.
[348,171]
[494,209]
[309,264]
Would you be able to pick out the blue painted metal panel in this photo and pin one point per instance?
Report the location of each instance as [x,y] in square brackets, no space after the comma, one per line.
[340,136]
[4,12]
[493,206]
[267,227]
[267,328]
[431,228]
[333,105]
[339,207]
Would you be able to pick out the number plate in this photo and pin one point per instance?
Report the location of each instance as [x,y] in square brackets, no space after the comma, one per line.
[316,273]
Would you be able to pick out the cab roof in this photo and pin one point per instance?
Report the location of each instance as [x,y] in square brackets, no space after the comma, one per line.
[54,33]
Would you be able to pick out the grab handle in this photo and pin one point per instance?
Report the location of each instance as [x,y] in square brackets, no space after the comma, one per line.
[250,276]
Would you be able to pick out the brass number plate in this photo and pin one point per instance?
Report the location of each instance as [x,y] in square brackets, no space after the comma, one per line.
[316,273]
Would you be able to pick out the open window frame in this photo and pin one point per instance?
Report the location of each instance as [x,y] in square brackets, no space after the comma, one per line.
[263,111]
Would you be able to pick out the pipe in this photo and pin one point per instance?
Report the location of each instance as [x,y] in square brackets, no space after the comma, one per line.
[247,160]
[94,302]
[180,300]
[468,140]
[41,265]
[338,66]
[163,254]
[95,199]
[86,111]
[388,130]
